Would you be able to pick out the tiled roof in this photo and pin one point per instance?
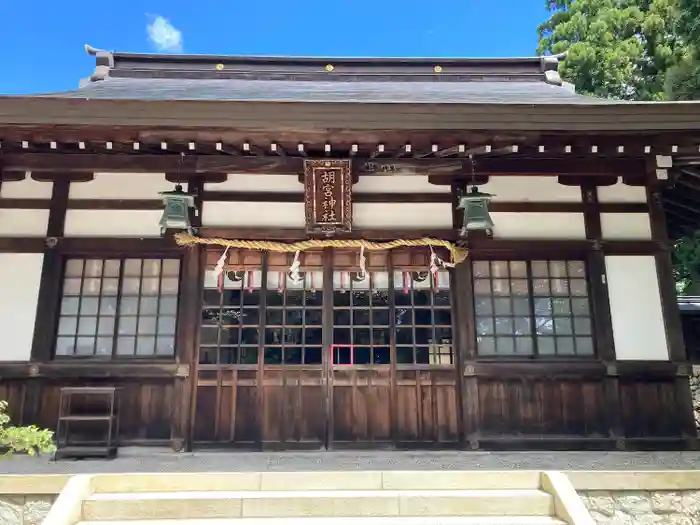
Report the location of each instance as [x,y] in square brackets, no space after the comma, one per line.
[129,76]
[419,92]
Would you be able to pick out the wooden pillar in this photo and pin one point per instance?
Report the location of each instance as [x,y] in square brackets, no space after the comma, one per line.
[49,300]
[671,313]
[465,353]
[188,333]
[600,304]
[664,271]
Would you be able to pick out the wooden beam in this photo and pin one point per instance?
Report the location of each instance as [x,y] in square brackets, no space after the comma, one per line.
[49,301]
[600,300]
[297,234]
[667,284]
[450,168]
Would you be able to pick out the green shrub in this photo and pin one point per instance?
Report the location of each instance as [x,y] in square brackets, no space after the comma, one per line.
[31,439]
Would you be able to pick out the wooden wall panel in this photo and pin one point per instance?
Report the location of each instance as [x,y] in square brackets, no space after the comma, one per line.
[293,407]
[541,407]
[649,409]
[14,392]
[361,401]
[227,408]
[145,408]
[427,408]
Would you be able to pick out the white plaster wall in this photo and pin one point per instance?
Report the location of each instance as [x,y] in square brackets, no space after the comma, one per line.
[26,189]
[121,186]
[635,306]
[23,223]
[530,189]
[626,226]
[397,184]
[117,223]
[20,274]
[622,193]
[402,215]
[254,214]
[253,182]
[510,225]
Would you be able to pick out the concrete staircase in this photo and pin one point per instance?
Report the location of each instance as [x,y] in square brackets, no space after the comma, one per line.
[316,498]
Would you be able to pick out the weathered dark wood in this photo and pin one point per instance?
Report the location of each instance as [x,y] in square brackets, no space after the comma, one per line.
[145,408]
[560,369]
[600,300]
[24,204]
[188,332]
[184,177]
[275,196]
[115,204]
[92,245]
[22,244]
[328,196]
[193,115]
[664,272]
[437,168]
[271,196]
[51,280]
[10,175]
[103,245]
[684,401]
[427,407]
[465,349]
[566,207]
[288,234]
[73,369]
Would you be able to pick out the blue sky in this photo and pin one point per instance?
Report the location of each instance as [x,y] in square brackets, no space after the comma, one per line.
[41,42]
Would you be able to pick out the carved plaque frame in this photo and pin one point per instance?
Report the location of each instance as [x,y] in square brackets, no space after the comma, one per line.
[328,195]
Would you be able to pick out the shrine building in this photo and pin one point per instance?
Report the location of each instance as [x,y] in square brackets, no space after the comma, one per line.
[327,253]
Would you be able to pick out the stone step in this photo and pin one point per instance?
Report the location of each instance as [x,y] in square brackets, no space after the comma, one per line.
[329,503]
[341,480]
[399,520]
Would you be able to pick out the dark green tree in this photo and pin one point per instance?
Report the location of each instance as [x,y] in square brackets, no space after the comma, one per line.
[683,79]
[622,49]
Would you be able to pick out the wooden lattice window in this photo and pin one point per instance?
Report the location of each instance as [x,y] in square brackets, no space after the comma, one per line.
[423,318]
[231,318]
[532,308]
[361,329]
[294,318]
[118,307]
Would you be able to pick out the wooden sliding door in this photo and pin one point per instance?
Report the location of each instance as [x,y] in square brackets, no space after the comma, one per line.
[360,357]
[332,358]
[293,375]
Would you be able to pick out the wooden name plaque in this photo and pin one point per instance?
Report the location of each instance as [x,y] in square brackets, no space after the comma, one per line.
[328,195]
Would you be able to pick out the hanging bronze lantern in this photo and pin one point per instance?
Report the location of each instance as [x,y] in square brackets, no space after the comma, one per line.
[176,215]
[476,211]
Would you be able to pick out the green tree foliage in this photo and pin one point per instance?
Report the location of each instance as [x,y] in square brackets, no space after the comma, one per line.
[686,265]
[683,79]
[625,49]
[31,439]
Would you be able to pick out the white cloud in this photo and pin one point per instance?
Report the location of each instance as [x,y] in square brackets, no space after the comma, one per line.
[164,36]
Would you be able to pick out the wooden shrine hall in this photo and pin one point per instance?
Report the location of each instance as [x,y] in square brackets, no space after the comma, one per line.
[322,253]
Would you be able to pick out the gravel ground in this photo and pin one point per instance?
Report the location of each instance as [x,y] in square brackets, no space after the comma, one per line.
[148,460]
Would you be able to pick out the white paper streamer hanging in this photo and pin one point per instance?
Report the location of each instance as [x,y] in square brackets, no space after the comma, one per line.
[219,268]
[294,274]
[363,264]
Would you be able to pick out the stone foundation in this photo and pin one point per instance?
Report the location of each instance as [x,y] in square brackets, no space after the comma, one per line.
[24,510]
[661,507]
